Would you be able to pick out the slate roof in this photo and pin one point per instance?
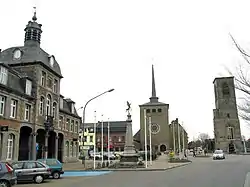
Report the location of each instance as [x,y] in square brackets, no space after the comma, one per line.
[67,109]
[15,83]
[115,126]
[30,55]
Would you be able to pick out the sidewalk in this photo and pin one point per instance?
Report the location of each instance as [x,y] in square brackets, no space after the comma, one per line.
[158,165]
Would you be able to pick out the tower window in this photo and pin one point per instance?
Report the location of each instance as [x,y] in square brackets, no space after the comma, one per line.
[148,111]
[159,110]
[225,89]
[153,110]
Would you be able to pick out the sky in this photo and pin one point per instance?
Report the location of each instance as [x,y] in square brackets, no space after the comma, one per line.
[113,43]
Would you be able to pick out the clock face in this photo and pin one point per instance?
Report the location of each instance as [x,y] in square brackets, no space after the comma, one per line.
[17,54]
[51,61]
[155,128]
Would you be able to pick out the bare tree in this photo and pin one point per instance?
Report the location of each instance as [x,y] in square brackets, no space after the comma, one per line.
[242,83]
[203,136]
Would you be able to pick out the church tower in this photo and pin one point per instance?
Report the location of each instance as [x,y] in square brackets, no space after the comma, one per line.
[227,131]
[160,123]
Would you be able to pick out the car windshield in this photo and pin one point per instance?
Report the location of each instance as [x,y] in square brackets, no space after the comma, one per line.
[218,152]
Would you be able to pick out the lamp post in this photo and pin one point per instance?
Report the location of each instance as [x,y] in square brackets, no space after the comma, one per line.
[84,108]
[102,138]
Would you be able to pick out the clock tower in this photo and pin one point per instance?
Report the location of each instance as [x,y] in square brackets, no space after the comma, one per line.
[227,131]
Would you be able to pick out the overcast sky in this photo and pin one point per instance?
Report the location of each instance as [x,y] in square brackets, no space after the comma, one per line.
[103,44]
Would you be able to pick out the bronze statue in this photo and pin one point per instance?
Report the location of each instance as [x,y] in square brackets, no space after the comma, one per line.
[129,107]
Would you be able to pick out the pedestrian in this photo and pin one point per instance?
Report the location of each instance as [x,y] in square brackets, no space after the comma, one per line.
[194,153]
[185,153]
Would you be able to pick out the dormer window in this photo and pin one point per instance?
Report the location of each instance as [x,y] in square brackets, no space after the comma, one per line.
[72,108]
[28,87]
[3,75]
[17,54]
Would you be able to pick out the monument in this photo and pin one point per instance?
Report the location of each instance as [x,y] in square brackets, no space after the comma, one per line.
[129,158]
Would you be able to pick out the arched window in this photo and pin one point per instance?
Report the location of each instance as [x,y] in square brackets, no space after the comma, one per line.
[48,105]
[10,147]
[54,109]
[41,106]
[225,89]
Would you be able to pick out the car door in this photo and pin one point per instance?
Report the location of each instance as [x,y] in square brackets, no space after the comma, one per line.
[29,170]
[18,168]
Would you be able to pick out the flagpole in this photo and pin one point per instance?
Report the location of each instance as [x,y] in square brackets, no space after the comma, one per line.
[94,137]
[108,143]
[145,138]
[150,140]
[183,139]
[174,136]
[102,138]
[179,139]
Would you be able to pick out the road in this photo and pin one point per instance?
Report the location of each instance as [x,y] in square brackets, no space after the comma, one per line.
[203,172]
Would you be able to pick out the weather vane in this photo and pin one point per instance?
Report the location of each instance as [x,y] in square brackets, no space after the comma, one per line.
[34,18]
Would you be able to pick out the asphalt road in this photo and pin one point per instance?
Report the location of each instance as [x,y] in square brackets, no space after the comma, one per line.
[203,172]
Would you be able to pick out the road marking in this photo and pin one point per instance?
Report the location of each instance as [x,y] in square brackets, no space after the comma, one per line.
[247,180]
[84,173]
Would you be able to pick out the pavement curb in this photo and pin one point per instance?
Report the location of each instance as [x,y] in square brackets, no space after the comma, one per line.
[139,169]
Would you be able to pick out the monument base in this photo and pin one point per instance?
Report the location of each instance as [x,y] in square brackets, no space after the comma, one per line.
[130,159]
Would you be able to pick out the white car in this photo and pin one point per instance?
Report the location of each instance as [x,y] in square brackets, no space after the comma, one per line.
[218,154]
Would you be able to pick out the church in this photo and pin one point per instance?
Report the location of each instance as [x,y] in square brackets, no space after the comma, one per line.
[160,129]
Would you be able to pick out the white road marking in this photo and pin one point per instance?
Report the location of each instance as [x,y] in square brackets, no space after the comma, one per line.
[247,180]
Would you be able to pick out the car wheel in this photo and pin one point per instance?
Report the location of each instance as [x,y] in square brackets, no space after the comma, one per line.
[56,175]
[38,179]
[4,184]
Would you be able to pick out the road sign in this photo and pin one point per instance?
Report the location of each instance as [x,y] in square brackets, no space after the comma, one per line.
[37,146]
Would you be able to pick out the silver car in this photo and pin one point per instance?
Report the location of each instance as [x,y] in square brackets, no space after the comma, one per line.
[31,171]
[7,175]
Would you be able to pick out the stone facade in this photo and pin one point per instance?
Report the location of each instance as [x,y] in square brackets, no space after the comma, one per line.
[30,90]
[227,131]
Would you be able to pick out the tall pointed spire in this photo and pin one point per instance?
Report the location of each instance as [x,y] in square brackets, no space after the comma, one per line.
[153,98]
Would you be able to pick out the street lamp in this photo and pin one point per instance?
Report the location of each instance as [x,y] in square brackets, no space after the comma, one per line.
[84,108]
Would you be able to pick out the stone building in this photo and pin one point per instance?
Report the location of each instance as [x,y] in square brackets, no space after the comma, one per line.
[158,112]
[41,123]
[227,131]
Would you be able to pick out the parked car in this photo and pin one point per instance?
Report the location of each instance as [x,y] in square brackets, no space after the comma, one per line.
[7,175]
[55,165]
[218,154]
[31,171]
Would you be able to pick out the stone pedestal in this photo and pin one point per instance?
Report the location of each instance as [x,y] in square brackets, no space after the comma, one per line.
[129,158]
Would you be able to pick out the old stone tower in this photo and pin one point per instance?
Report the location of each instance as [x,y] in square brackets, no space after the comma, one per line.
[227,131]
[160,122]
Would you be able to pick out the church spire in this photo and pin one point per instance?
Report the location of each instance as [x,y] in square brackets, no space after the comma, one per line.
[33,32]
[153,98]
